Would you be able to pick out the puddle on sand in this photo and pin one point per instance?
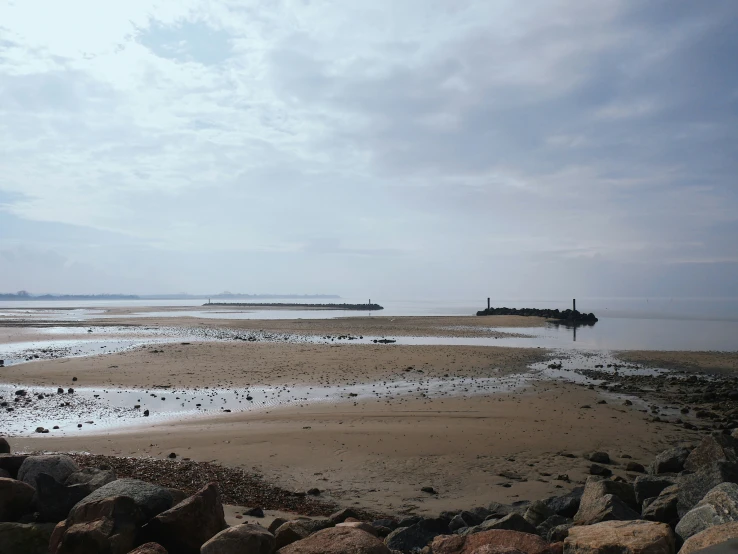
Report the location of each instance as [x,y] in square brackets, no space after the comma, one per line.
[92,410]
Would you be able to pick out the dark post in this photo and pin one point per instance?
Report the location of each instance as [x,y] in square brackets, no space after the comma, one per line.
[575,304]
[488,303]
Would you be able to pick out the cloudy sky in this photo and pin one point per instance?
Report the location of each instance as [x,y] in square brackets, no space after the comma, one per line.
[383,148]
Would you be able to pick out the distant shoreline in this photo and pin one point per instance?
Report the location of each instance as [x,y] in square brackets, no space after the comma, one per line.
[359,307]
[24,297]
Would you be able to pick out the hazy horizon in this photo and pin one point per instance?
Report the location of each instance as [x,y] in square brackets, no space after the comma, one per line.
[547,149]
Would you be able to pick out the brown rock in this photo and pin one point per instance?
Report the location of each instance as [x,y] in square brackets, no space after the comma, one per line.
[361,525]
[709,537]
[620,537]
[149,548]
[25,538]
[4,446]
[240,539]
[337,540]
[498,539]
[185,527]
[12,463]
[298,529]
[342,515]
[15,499]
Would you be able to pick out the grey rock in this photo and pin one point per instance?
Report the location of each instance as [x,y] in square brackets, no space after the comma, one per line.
[545,528]
[718,506]
[54,501]
[568,504]
[649,486]
[415,537]
[58,466]
[605,500]
[663,508]
[241,539]
[635,467]
[151,499]
[599,457]
[276,523]
[457,522]
[599,470]
[4,446]
[559,533]
[670,461]
[342,515]
[495,508]
[92,476]
[25,538]
[511,522]
[298,529]
[15,499]
[713,448]
[538,512]
[694,486]
[387,523]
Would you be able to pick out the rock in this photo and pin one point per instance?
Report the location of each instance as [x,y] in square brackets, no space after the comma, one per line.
[649,486]
[416,536]
[151,499]
[388,523]
[342,515]
[91,476]
[635,467]
[57,466]
[276,523]
[620,537]
[108,525]
[537,513]
[360,525]
[713,448]
[337,540]
[670,461]
[718,506]
[15,499]
[25,538]
[254,512]
[718,534]
[185,527]
[149,548]
[5,474]
[240,539]
[545,528]
[595,469]
[429,490]
[511,522]
[4,446]
[559,533]
[566,505]
[663,508]
[599,457]
[12,463]
[499,540]
[298,529]
[54,501]
[604,500]
[693,487]
[457,522]
[177,495]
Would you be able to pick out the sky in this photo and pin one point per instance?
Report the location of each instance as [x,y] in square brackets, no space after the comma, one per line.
[379,148]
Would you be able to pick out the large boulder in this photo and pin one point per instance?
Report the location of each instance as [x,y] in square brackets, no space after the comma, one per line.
[12,463]
[416,536]
[91,476]
[605,500]
[4,446]
[185,527]
[108,525]
[568,504]
[718,506]
[337,540]
[663,508]
[620,537]
[710,537]
[151,499]
[713,448]
[538,512]
[25,538]
[58,466]
[240,539]
[495,541]
[670,461]
[54,500]
[298,529]
[649,486]
[694,486]
[15,499]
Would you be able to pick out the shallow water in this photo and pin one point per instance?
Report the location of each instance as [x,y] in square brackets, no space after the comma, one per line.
[91,410]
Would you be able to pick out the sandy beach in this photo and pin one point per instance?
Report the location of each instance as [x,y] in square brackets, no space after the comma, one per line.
[526,442]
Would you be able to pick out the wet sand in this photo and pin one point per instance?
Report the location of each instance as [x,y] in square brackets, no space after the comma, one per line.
[703,362]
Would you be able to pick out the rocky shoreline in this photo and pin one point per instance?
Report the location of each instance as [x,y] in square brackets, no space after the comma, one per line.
[566,316]
[359,307]
[686,500]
